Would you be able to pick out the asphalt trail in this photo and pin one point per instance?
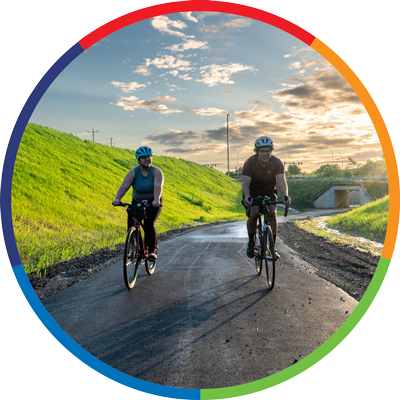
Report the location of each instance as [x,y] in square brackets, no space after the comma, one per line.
[204,319]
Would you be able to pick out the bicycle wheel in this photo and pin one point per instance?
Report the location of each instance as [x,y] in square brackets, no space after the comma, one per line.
[150,266]
[269,258]
[131,259]
[259,249]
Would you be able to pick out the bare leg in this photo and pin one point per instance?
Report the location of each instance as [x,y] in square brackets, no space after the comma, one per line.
[252,220]
[272,220]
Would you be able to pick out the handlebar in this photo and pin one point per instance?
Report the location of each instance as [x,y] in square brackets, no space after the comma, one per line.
[144,203]
[265,200]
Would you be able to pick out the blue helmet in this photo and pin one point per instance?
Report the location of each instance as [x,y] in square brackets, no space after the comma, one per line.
[143,151]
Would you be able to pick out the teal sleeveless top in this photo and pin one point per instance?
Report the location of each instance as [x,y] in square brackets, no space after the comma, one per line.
[143,187]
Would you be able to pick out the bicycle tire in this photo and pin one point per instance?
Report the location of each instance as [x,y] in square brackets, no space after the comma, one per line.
[150,266]
[270,258]
[259,249]
[131,259]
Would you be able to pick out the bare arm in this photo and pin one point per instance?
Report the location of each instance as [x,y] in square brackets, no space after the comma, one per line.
[125,185]
[283,187]
[158,185]
[246,180]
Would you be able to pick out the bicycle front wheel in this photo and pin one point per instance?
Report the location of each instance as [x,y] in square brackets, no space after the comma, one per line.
[270,257]
[259,250]
[131,258]
[150,266]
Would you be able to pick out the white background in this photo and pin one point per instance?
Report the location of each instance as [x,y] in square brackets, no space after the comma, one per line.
[36,34]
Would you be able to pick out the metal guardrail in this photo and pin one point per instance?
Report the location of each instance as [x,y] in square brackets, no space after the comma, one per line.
[366,194]
[321,191]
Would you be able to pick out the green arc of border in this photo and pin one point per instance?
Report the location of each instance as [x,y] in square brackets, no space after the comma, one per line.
[316,355]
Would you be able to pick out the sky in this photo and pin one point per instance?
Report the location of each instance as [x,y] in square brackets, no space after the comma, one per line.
[169,82]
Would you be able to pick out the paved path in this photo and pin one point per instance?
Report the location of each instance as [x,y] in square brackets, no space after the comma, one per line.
[204,319]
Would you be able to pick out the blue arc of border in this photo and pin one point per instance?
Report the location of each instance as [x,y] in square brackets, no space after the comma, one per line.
[13,145]
[13,254]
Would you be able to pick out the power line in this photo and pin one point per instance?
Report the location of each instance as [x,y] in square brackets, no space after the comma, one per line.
[43,104]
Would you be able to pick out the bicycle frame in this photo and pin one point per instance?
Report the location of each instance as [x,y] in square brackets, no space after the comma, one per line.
[141,246]
[265,246]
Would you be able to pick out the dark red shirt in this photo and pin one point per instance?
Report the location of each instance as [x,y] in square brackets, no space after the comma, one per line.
[263,179]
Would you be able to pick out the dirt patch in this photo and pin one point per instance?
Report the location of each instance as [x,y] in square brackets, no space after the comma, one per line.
[343,265]
[58,277]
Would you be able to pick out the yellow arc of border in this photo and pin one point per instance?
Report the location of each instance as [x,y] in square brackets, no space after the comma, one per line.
[383,134]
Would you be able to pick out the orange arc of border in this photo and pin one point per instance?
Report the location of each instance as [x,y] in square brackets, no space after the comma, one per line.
[383,134]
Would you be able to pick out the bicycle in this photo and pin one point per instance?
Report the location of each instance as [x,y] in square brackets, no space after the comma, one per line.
[135,246]
[264,246]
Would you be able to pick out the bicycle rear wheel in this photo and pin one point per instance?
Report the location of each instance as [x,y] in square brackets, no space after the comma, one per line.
[131,258]
[270,257]
[259,249]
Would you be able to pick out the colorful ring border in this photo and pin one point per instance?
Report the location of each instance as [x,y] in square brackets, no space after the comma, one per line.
[169,8]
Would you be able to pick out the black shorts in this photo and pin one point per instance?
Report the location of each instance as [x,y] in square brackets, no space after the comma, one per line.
[273,195]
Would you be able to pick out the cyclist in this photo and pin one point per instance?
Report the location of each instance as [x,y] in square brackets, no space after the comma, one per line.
[147,183]
[261,174]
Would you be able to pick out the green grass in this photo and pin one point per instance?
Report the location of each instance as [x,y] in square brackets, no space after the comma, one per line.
[369,221]
[63,188]
[301,190]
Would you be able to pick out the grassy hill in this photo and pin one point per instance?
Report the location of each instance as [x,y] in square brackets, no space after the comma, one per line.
[369,221]
[63,188]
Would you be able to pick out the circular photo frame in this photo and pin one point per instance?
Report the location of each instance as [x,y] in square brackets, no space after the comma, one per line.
[203,6]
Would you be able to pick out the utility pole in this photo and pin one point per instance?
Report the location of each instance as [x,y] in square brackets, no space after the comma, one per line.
[111,143]
[227,139]
[93,131]
[342,158]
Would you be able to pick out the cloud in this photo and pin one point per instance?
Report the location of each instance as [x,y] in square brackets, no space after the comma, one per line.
[213,75]
[225,26]
[188,44]
[163,24]
[155,105]
[325,93]
[174,87]
[177,139]
[185,77]
[186,142]
[164,62]
[210,111]
[295,52]
[294,65]
[258,103]
[128,87]
[307,138]
[143,70]
[189,17]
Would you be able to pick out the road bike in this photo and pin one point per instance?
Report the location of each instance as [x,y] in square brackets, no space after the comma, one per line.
[264,246]
[135,245]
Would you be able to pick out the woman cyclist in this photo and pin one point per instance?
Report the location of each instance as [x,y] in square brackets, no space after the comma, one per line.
[147,183]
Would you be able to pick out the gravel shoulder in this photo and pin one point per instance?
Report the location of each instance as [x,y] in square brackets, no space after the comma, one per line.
[346,267]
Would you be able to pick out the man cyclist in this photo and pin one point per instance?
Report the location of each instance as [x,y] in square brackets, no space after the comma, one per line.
[261,174]
[147,183]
